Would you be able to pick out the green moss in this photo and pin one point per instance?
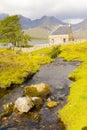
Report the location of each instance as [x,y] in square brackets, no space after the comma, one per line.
[74,114]
[8,109]
[38,90]
[37,102]
[30,91]
[16,66]
[52,104]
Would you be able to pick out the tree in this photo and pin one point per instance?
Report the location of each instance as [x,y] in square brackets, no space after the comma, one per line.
[24,39]
[11,31]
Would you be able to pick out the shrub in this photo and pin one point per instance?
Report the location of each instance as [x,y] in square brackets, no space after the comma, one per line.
[54,51]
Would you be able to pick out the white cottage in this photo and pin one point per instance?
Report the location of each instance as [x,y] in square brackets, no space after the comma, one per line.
[63,34]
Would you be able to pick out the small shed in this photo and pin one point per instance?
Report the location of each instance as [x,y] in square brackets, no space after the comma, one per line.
[62,34]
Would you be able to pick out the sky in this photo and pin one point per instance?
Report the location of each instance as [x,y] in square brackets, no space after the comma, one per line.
[62,9]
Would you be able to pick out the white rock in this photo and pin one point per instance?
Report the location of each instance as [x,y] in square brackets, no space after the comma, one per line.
[35,98]
[39,87]
[24,104]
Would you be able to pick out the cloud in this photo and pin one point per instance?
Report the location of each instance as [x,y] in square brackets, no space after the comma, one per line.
[63,9]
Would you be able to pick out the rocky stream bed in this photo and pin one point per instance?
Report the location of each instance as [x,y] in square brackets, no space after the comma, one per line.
[44,118]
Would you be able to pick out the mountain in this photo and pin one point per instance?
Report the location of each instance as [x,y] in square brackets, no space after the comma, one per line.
[80,30]
[80,34]
[38,28]
[42,27]
[45,22]
[81,26]
[2,16]
[25,22]
[37,33]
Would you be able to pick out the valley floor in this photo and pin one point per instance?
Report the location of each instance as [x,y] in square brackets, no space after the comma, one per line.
[16,66]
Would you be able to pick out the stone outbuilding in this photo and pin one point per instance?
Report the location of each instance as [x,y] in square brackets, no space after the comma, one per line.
[61,35]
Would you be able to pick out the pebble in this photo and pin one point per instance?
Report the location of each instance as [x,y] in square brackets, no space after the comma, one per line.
[4,119]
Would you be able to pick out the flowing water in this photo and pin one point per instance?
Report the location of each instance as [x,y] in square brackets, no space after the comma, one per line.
[54,74]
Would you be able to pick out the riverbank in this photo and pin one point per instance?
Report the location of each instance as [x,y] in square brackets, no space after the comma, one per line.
[56,75]
[74,114]
[16,66]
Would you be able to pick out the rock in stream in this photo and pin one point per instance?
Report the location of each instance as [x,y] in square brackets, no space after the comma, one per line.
[54,74]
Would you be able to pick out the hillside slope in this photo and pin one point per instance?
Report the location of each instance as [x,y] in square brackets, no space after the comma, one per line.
[37,33]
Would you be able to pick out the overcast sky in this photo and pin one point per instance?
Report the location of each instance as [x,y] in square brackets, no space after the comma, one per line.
[62,9]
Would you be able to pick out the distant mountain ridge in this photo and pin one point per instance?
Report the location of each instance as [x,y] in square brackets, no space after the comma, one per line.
[49,22]
[45,25]
[81,26]
[45,21]
[38,28]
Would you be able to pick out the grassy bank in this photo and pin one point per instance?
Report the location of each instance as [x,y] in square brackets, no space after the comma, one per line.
[74,114]
[16,66]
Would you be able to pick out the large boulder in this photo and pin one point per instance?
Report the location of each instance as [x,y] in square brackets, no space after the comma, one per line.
[23,104]
[38,90]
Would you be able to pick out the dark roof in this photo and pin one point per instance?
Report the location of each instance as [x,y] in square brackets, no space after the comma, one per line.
[61,30]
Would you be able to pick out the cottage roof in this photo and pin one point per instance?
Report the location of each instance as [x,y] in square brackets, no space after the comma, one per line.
[61,30]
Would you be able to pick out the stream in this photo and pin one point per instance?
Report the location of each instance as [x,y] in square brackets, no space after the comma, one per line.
[54,74]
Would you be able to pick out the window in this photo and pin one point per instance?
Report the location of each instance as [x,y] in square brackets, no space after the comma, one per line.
[52,40]
[64,39]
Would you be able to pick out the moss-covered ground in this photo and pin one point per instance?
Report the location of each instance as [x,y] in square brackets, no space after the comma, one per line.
[74,114]
[16,66]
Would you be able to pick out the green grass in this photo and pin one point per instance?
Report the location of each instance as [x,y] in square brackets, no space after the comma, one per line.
[16,66]
[74,113]
[51,52]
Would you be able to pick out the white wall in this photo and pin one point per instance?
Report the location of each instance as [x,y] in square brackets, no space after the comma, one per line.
[58,39]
